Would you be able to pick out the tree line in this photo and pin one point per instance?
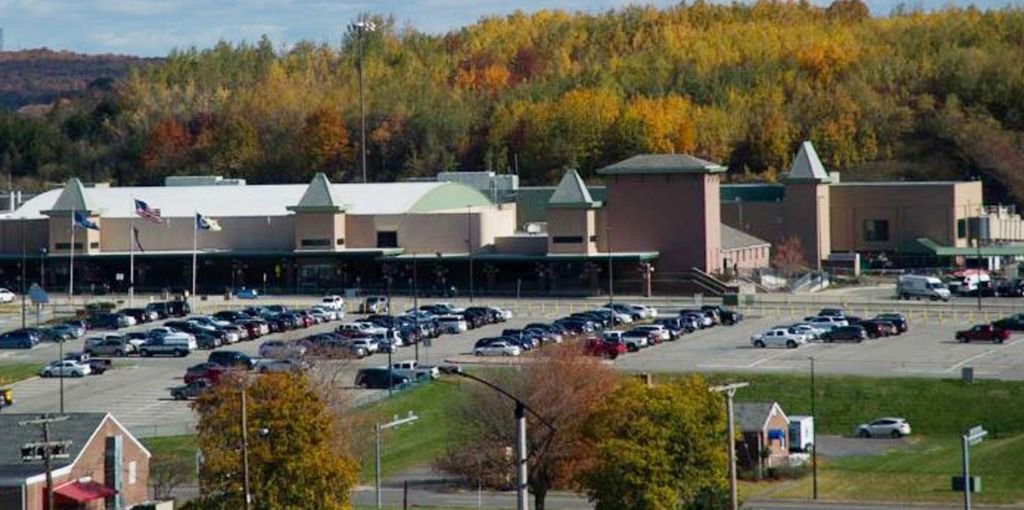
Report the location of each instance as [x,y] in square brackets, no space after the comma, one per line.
[902,96]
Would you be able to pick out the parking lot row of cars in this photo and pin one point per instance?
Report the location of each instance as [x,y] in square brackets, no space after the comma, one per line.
[831,325]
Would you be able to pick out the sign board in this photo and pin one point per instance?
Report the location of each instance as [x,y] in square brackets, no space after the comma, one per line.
[976,435]
[119,277]
[958,483]
[38,295]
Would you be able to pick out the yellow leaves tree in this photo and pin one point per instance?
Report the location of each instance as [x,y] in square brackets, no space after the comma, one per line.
[325,142]
[296,457]
[666,123]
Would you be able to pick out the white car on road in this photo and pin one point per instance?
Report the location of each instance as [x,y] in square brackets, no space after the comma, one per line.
[65,368]
[778,337]
[884,427]
[498,349]
[6,296]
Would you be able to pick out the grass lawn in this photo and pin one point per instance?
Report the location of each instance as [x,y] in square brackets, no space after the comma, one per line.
[419,442]
[175,446]
[13,372]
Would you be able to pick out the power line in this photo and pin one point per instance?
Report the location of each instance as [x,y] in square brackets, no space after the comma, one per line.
[46,450]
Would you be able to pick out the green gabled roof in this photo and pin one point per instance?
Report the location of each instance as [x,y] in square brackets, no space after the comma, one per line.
[572,193]
[806,166]
[662,164]
[72,198]
[751,192]
[927,245]
[319,197]
[532,202]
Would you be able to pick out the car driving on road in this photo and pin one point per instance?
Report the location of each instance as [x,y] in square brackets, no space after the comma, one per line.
[884,427]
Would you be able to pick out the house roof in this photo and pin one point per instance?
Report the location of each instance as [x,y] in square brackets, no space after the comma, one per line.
[72,198]
[263,200]
[78,429]
[734,239]
[572,192]
[806,166]
[319,197]
[662,164]
[532,201]
[753,416]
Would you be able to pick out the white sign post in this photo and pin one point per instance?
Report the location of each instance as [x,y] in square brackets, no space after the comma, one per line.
[972,437]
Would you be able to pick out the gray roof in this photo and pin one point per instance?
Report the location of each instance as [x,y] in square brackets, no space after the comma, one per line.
[73,198]
[734,239]
[806,166]
[319,197]
[751,416]
[572,192]
[662,164]
[78,428]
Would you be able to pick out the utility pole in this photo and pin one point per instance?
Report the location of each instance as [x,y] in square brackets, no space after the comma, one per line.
[24,260]
[245,455]
[608,241]
[46,450]
[396,422]
[730,391]
[469,247]
[814,448]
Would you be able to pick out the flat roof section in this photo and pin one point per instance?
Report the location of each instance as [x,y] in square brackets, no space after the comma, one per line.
[926,245]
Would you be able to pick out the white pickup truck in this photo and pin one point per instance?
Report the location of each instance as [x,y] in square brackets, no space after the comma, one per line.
[412,369]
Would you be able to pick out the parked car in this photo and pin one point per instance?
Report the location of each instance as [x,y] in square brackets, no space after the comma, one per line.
[71,329]
[1014,322]
[375,304]
[108,321]
[277,366]
[498,349]
[96,366]
[209,372]
[983,332]
[333,302]
[659,332]
[728,317]
[413,370]
[846,334]
[140,315]
[633,342]
[914,286]
[1009,288]
[112,345]
[828,321]
[6,296]
[247,293]
[232,359]
[167,345]
[65,368]
[281,349]
[17,340]
[778,337]
[603,348]
[809,331]
[884,427]
[453,324]
[896,319]
[190,390]
[380,378]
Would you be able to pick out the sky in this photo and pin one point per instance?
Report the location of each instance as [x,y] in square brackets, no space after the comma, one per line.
[154,27]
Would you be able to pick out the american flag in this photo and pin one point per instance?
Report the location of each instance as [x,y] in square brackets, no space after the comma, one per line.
[143,209]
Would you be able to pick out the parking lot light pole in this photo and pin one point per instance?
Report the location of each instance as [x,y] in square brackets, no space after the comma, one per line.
[608,242]
[469,247]
[730,391]
[376,466]
[245,455]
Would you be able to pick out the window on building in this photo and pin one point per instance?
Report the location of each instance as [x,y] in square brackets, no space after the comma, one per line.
[876,230]
[67,246]
[309,243]
[339,241]
[94,246]
[567,239]
[593,239]
[961,228]
[387,239]
[131,473]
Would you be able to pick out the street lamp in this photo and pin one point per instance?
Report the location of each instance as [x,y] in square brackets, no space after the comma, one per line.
[361,27]
[730,391]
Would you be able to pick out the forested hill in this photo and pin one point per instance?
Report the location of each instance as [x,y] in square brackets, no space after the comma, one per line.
[39,76]
[913,95]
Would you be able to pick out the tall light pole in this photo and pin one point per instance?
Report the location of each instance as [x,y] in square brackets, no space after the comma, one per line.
[469,247]
[730,391]
[361,27]
[245,455]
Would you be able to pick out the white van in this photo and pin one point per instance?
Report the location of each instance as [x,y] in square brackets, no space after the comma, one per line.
[917,287]
[332,303]
[801,434]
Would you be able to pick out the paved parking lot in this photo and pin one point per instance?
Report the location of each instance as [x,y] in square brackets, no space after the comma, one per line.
[137,389]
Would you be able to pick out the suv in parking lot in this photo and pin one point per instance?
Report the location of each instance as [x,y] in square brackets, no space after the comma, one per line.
[778,337]
[846,333]
[377,378]
[231,359]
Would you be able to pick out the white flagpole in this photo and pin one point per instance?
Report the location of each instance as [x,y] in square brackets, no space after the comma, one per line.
[131,255]
[195,247]
[71,263]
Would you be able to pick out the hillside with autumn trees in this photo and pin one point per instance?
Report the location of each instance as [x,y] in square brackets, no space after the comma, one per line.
[911,95]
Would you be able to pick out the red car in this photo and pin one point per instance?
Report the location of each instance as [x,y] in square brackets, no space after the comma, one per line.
[209,372]
[984,332]
[605,349]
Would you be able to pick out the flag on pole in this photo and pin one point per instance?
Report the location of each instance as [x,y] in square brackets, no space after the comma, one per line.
[204,223]
[144,210]
[82,221]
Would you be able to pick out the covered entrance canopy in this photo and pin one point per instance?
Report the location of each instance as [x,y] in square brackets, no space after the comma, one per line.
[79,493]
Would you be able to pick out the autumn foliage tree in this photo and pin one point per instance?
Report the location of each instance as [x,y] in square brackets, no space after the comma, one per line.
[560,384]
[789,256]
[296,458]
[656,448]
[325,142]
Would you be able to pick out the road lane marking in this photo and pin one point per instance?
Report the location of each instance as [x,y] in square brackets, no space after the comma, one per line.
[981,355]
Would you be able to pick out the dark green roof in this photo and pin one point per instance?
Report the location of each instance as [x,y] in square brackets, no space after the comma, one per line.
[662,164]
[751,192]
[926,245]
[532,202]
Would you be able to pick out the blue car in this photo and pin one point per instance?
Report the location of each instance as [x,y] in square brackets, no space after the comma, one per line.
[246,294]
[17,340]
